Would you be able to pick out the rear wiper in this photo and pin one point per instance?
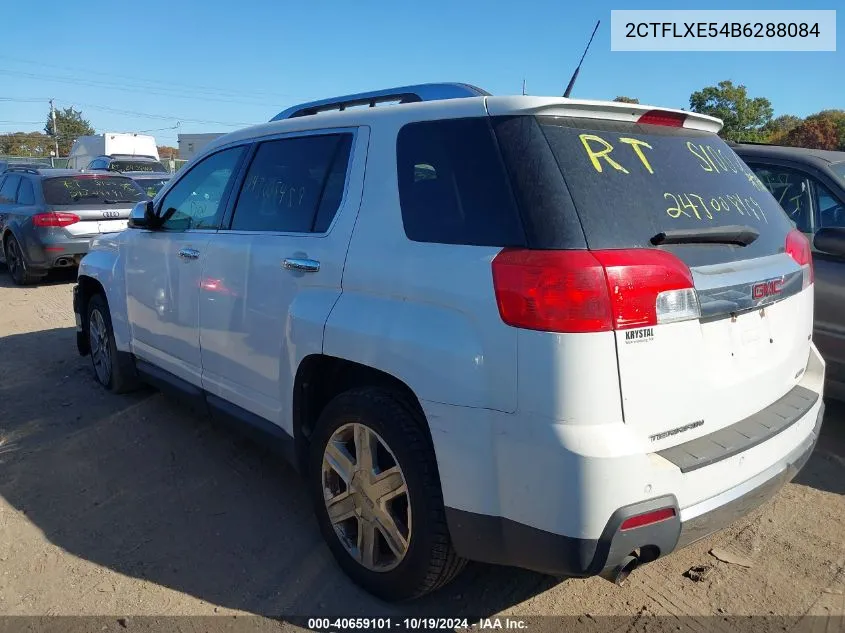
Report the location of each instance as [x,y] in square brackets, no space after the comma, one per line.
[734,234]
[108,201]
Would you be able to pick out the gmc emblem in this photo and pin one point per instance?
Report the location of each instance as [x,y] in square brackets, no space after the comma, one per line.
[111,214]
[767,288]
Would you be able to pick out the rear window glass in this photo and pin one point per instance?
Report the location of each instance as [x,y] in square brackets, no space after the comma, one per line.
[453,188]
[84,189]
[136,165]
[839,170]
[630,182]
[152,186]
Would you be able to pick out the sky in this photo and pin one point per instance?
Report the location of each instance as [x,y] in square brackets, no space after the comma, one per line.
[215,65]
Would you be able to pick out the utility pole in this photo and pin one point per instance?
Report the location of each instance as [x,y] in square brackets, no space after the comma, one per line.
[55,128]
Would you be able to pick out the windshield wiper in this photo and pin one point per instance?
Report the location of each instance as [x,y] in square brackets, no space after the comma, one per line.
[109,201]
[734,234]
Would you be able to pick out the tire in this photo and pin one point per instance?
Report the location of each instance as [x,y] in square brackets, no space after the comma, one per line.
[16,264]
[396,429]
[113,370]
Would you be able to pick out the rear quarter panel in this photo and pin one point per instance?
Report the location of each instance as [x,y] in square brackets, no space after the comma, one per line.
[424,313]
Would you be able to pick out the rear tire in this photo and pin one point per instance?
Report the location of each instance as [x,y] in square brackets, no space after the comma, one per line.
[414,515]
[113,370]
[16,264]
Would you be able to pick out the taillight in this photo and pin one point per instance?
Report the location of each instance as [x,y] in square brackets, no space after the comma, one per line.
[798,248]
[660,117]
[54,218]
[648,287]
[592,291]
[649,518]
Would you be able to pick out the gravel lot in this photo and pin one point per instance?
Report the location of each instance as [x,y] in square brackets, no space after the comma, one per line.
[126,506]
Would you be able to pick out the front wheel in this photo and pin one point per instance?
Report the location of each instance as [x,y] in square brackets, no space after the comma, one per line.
[111,369]
[377,495]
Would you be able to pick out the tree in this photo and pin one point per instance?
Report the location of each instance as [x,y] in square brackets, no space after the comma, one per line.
[626,100]
[816,132]
[34,144]
[70,126]
[779,127]
[165,151]
[744,118]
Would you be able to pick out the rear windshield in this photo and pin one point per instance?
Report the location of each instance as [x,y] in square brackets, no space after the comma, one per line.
[86,189]
[152,186]
[136,165]
[630,182]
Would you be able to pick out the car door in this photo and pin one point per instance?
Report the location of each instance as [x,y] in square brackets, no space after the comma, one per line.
[829,326]
[274,272]
[8,206]
[164,266]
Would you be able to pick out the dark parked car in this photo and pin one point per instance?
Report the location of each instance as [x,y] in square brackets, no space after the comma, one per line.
[126,163]
[148,172]
[48,216]
[810,185]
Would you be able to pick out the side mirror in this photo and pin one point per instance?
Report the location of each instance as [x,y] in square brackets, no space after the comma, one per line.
[142,216]
[830,240]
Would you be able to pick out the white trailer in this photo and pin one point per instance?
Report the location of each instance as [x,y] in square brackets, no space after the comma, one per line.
[87,148]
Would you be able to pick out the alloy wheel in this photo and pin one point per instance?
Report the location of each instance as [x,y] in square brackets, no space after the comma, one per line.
[99,345]
[13,258]
[366,497]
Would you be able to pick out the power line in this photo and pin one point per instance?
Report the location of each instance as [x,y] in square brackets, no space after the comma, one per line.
[160,117]
[181,85]
[103,85]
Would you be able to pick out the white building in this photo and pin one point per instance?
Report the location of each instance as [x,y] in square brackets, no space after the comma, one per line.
[191,144]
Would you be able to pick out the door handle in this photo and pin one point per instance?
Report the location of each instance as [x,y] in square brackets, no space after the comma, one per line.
[189,253]
[303,265]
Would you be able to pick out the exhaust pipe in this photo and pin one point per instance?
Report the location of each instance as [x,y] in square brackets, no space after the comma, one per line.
[62,262]
[619,574]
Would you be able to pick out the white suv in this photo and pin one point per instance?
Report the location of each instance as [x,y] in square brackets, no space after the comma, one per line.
[569,336]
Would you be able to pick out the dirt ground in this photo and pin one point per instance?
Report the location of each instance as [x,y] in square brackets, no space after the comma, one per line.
[132,505]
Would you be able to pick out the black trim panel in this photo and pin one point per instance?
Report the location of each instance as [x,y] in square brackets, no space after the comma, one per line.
[501,541]
[743,435]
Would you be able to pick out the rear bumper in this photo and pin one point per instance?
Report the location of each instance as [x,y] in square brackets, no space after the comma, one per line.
[52,249]
[501,541]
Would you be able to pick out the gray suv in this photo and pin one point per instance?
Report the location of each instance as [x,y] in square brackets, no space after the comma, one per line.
[48,216]
[810,186]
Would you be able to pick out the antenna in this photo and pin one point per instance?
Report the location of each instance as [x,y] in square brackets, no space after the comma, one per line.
[575,74]
[523,87]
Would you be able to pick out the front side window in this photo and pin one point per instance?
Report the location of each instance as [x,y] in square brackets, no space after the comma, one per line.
[791,190]
[294,185]
[26,194]
[830,210]
[197,201]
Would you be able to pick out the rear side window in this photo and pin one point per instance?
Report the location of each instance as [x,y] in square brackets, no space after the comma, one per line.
[88,189]
[453,188]
[294,185]
[8,189]
[631,182]
[26,194]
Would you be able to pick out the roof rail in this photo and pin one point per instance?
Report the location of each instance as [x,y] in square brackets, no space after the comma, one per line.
[25,170]
[404,94]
